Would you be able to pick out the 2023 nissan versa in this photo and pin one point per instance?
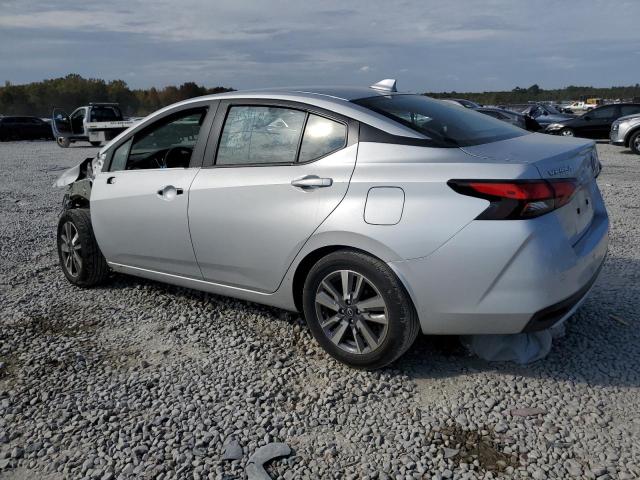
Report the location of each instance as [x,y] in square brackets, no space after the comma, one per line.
[376,214]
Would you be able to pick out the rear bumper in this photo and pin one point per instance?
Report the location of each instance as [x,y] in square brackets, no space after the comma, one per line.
[554,314]
[505,277]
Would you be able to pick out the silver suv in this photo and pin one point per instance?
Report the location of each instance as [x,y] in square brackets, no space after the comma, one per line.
[374,213]
[625,131]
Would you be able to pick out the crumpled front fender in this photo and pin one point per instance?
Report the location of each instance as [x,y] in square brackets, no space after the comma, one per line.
[85,169]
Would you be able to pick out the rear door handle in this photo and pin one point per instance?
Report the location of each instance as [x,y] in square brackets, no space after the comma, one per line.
[311,181]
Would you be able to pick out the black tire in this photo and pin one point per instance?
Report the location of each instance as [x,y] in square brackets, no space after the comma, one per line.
[95,144]
[92,268]
[567,132]
[402,322]
[63,142]
[634,143]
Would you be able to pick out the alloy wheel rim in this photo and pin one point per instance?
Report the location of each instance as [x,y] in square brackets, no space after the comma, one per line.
[567,133]
[636,143]
[70,249]
[351,311]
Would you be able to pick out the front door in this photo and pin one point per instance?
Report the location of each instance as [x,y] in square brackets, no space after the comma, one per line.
[139,206]
[61,123]
[280,170]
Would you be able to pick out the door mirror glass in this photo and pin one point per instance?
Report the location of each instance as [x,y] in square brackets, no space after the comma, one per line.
[260,134]
[321,137]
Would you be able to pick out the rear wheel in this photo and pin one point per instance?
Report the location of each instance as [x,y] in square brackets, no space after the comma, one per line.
[567,132]
[358,310]
[634,143]
[80,258]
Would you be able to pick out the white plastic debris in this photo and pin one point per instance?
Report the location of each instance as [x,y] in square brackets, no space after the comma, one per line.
[521,348]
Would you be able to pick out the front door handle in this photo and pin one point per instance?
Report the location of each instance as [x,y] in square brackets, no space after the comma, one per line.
[111,180]
[169,192]
[311,181]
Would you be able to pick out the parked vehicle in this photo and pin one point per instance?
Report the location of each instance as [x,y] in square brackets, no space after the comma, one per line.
[95,123]
[625,131]
[514,118]
[449,222]
[545,115]
[594,124]
[462,102]
[24,128]
[579,107]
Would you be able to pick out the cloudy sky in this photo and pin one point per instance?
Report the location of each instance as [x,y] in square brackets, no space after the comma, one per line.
[463,45]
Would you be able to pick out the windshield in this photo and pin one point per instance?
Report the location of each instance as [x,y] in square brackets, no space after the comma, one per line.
[552,110]
[446,125]
[105,114]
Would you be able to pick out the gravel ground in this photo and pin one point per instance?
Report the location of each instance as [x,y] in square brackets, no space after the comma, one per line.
[139,379]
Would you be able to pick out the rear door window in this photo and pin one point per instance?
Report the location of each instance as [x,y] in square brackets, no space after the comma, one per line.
[629,110]
[260,135]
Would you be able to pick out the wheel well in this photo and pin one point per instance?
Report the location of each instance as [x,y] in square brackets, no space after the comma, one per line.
[303,269]
[627,140]
[309,261]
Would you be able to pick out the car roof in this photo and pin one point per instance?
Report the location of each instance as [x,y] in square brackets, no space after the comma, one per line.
[336,99]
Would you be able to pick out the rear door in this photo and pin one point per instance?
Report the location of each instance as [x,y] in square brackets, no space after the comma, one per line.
[139,206]
[597,122]
[273,172]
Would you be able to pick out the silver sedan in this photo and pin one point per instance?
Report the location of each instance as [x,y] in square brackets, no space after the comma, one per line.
[376,214]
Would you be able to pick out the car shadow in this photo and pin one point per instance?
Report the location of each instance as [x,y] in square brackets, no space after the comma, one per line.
[603,335]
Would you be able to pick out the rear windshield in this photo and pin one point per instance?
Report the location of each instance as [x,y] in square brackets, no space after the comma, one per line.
[446,125]
[105,114]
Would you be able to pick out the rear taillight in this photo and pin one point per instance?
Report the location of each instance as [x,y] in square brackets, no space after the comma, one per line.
[517,199]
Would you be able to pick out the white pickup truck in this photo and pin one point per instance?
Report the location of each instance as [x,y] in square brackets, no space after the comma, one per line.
[96,123]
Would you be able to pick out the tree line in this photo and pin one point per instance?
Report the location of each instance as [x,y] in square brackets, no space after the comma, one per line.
[535,93]
[39,98]
[72,91]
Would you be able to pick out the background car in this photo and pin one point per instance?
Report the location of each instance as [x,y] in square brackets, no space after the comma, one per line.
[514,118]
[545,115]
[625,131]
[594,124]
[24,128]
[360,207]
[462,102]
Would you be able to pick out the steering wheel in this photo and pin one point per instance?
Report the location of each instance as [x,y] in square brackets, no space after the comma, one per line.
[182,151]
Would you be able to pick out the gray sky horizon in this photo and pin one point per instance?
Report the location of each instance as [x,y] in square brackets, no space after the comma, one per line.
[427,45]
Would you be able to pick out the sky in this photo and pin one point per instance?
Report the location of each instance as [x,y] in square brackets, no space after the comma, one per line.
[443,45]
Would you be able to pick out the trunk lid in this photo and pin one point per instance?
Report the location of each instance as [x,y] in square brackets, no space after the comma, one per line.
[554,158]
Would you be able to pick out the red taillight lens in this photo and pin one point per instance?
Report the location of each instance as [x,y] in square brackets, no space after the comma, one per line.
[517,199]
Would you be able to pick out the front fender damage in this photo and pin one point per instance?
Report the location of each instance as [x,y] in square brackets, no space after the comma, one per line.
[79,179]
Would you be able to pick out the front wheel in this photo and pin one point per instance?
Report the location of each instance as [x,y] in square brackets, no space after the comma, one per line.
[80,257]
[64,142]
[634,143]
[358,310]
[567,132]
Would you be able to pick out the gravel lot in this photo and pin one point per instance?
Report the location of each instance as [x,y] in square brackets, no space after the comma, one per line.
[139,379]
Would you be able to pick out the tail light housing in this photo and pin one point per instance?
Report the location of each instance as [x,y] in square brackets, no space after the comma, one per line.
[517,199]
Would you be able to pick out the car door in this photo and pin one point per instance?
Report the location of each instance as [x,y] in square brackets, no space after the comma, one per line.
[597,122]
[273,172]
[139,205]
